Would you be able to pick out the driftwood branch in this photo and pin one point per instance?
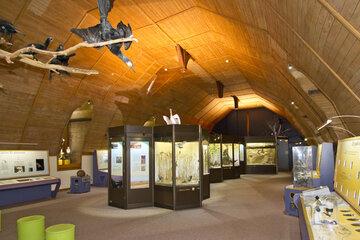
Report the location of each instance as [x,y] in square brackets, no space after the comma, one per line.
[4,42]
[28,59]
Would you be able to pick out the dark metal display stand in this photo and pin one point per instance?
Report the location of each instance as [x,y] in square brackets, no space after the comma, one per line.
[206,168]
[169,191]
[130,167]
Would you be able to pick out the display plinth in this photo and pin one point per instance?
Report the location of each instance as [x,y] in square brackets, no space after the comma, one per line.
[261,155]
[216,171]
[130,167]
[178,166]
[100,168]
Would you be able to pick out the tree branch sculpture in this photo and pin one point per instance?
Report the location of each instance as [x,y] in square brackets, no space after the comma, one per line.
[28,59]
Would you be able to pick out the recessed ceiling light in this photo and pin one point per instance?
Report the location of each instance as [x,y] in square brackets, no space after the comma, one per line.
[227,60]
[305,139]
[165,69]
[292,103]
[290,66]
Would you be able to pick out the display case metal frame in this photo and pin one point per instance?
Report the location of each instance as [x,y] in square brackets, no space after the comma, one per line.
[216,174]
[260,169]
[177,196]
[206,172]
[124,196]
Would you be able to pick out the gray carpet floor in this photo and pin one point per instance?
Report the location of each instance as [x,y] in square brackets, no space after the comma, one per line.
[247,208]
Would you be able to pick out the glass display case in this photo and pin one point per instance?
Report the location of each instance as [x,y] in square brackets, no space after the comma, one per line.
[131,177]
[100,168]
[206,166]
[178,166]
[261,155]
[303,166]
[216,171]
[230,157]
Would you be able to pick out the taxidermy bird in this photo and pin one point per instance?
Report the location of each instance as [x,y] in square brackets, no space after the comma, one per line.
[150,122]
[104,32]
[7,29]
[173,119]
[41,46]
[62,60]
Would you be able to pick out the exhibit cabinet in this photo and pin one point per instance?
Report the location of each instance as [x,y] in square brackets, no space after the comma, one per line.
[130,167]
[206,169]
[230,162]
[260,155]
[304,163]
[216,171]
[324,172]
[335,215]
[178,166]
[100,168]
[25,177]
[283,154]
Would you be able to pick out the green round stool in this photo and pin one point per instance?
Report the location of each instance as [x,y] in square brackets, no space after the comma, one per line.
[61,232]
[31,228]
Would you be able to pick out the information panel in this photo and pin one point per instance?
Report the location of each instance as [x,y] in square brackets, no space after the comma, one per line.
[17,164]
[102,160]
[347,171]
[139,164]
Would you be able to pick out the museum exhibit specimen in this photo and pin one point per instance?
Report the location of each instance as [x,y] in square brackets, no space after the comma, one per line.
[216,171]
[206,168]
[230,154]
[335,215]
[100,168]
[130,167]
[25,177]
[178,166]
[260,155]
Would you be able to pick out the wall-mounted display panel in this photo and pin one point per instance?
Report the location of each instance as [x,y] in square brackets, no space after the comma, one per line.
[102,157]
[347,171]
[139,164]
[215,155]
[163,163]
[260,154]
[18,164]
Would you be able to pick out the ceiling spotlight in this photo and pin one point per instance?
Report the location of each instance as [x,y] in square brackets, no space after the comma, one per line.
[292,103]
[305,139]
[165,69]
[290,67]
[227,60]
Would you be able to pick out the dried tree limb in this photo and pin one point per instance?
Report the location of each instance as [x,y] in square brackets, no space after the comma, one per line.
[4,42]
[66,51]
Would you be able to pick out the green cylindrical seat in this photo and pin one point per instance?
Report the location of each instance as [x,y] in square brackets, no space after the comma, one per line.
[61,232]
[31,228]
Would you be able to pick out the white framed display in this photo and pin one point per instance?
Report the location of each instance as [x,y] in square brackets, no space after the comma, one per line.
[139,164]
[117,160]
[27,163]
[236,154]
[102,157]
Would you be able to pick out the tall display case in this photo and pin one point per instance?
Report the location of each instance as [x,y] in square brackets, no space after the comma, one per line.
[206,167]
[261,155]
[216,171]
[178,166]
[230,157]
[100,168]
[130,167]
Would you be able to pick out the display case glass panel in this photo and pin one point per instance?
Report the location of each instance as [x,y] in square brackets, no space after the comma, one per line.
[242,153]
[215,155]
[302,166]
[236,154]
[206,157]
[260,154]
[163,163]
[227,154]
[139,164]
[102,160]
[318,159]
[117,161]
[187,163]
[18,164]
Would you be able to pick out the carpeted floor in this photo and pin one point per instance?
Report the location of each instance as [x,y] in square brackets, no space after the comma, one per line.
[246,208]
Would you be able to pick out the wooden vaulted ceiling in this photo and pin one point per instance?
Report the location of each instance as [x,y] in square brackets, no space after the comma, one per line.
[258,37]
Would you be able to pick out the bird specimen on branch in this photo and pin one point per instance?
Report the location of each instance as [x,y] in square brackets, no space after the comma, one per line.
[7,29]
[104,31]
[41,46]
[62,60]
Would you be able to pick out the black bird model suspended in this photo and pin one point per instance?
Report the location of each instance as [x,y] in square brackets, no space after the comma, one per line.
[62,60]
[104,32]
[41,46]
[7,29]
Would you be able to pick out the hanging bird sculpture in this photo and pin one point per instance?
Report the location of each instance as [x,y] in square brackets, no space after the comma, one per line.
[41,46]
[150,122]
[104,32]
[7,29]
[61,60]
